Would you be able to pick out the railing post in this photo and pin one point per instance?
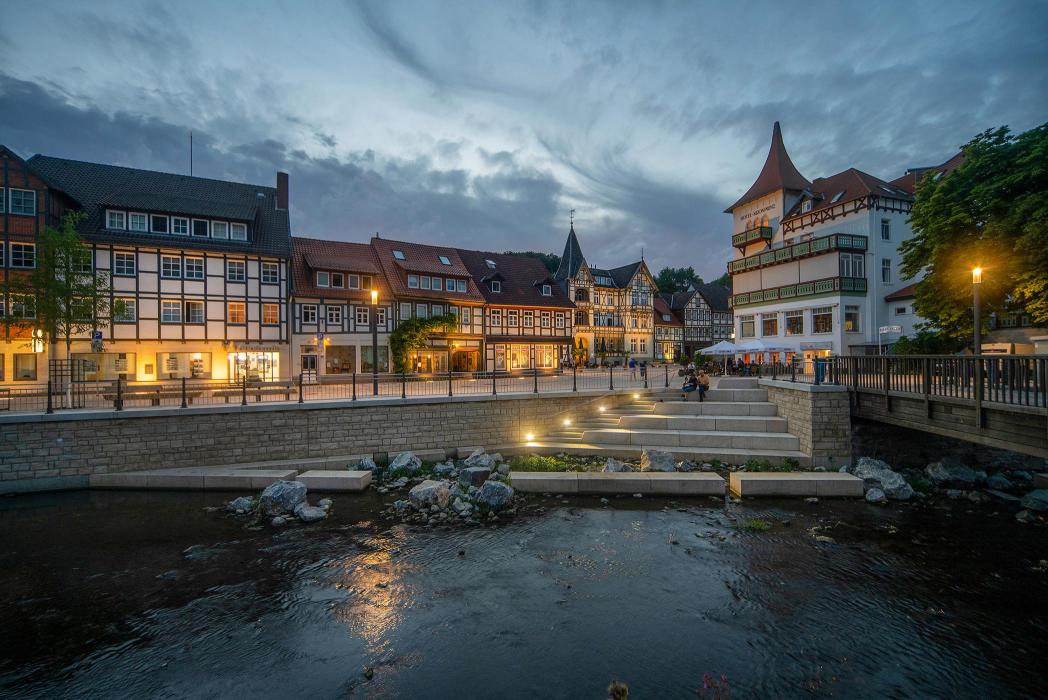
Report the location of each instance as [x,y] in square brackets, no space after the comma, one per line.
[574,376]
[886,378]
[775,371]
[494,389]
[667,369]
[354,384]
[50,401]
[449,382]
[611,377]
[644,371]
[926,385]
[793,368]
[979,419]
[301,393]
[534,380]
[403,385]
[185,403]
[119,395]
[243,391]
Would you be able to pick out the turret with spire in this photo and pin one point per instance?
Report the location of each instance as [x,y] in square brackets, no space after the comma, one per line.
[571,259]
[778,173]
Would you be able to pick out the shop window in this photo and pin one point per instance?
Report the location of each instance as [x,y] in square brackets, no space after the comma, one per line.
[794,322]
[25,367]
[747,326]
[190,365]
[365,358]
[340,359]
[851,319]
[822,319]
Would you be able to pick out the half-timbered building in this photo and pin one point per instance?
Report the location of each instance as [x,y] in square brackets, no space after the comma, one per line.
[200,265]
[669,332]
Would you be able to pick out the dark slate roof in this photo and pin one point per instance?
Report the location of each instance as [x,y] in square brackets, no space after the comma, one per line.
[622,275]
[312,254]
[678,300]
[572,259]
[716,296]
[522,278]
[778,173]
[95,186]
[908,181]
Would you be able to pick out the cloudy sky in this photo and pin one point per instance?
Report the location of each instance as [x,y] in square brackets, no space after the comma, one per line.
[481,124]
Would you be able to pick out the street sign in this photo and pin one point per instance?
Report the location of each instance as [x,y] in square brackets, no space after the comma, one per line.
[890,329]
[96,335]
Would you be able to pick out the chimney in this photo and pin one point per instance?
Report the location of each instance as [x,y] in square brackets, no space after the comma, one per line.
[282,194]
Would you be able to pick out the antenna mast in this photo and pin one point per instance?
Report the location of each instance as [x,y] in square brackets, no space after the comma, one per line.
[191,153]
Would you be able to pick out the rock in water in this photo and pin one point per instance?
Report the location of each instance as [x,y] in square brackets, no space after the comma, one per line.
[1025,516]
[310,514]
[614,465]
[999,482]
[479,458]
[494,495]
[444,469]
[1036,501]
[366,464]
[875,495]
[282,497]
[461,507]
[406,461]
[657,461]
[429,493]
[950,472]
[474,476]
[240,505]
[876,474]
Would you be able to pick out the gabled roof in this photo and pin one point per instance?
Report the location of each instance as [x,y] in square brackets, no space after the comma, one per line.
[624,274]
[826,192]
[420,258]
[778,173]
[716,296]
[663,309]
[312,254]
[908,182]
[522,278]
[94,186]
[678,300]
[572,259]
[907,292]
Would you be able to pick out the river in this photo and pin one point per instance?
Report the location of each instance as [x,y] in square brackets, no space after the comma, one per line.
[151,595]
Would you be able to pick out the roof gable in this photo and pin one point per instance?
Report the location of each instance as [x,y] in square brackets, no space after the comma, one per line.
[522,279]
[571,259]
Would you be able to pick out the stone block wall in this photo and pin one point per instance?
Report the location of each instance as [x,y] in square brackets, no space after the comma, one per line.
[820,417]
[60,451]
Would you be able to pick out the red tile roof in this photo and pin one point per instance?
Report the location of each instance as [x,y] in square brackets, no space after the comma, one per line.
[521,276]
[849,184]
[661,307]
[311,254]
[778,173]
[908,181]
[420,258]
[907,292]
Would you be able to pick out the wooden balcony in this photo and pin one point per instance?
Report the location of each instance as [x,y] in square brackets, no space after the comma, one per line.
[761,233]
[807,249]
[829,285]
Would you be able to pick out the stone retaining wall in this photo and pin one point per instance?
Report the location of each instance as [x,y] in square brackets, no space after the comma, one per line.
[40,452]
[820,417]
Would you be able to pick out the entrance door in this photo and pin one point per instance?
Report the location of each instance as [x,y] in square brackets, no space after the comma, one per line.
[309,368]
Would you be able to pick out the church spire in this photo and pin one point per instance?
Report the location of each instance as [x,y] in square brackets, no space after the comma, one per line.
[571,259]
[778,173]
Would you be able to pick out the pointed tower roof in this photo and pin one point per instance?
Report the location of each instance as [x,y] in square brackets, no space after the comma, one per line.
[572,259]
[778,173]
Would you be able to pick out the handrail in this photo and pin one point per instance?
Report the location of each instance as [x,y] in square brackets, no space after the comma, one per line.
[796,251]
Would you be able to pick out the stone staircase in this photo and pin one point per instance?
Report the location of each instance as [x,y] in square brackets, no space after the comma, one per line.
[734,424]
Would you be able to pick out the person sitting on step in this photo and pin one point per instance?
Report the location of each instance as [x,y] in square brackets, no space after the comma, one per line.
[703,381]
[691,382]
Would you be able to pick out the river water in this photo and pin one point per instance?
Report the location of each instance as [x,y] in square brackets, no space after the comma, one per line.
[135,595]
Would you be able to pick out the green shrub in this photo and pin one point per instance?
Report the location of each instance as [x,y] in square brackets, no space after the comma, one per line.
[754,525]
[758,465]
[537,463]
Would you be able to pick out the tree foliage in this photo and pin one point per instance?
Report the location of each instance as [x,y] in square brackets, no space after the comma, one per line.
[676,279]
[413,334]
[991,212]
[926,342]
[69,295]
[551,261]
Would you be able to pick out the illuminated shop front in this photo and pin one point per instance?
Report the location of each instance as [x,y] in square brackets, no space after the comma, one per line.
[179,365]
[104,366]
[254,365]
[516,356]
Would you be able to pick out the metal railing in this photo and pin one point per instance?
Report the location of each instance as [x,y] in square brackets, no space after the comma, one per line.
[120,394]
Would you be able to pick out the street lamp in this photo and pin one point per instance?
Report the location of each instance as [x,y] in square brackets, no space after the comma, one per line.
[374,341]
[976,282]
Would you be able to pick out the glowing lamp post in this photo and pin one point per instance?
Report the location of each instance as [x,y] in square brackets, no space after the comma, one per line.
[976,282]
[374,341]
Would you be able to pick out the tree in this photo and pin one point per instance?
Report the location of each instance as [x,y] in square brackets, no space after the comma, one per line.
[70,297]
[676,279]
[926,342]
[413,334]
[551,261]
[991,212]
[724,280]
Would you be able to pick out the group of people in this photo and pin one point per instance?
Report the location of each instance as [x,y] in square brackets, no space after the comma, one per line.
[693,382]
[634,366]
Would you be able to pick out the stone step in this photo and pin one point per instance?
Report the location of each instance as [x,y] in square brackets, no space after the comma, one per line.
[716,394]
[599,483]
[735,382]
[821,484]
[727,455]
[712,408]
[192,479]
[335,481]
[692,438]
[760,424]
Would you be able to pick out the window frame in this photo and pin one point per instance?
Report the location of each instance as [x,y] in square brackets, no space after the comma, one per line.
[413,279]
[461,285]
[857,311]
[119,255]
[268,306]
[22,246]
[821,311]
[185,268]
[175,220]
[547,290]
[154,218]
[362,316]
[165,261]
[193,228]
[886,271]
[187,316]
[341,280]
[269,265]
[229,314]
[166,305]
[11,201]
[214,234]
[311,310]
[333,314]
[230,267]
[130,304]
[123,220]
[145,221]
[237,226]
[496,286]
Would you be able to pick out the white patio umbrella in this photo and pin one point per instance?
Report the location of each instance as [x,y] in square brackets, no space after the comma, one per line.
[722,348]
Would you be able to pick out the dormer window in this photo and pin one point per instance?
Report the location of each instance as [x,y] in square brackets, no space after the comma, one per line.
[461,286]
[323,279]
[398,254]
[444,260]
[837,197]
[158,224]
[219,229]
[238,232]
[412,281]
[805,206]
[138,222]
[547,290]
[116,220]
[496,286]
[337,280]
[665,317]
[489,263]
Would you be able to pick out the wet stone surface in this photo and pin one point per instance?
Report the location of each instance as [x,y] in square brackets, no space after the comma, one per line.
[116,594]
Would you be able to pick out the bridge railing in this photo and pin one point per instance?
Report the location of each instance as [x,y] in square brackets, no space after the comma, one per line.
[1018,380]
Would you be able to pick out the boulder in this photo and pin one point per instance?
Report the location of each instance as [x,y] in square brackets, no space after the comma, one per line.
[1021,474]
[876,474]
[281,520]
[1025,516]
[366,464]
[401,506]
[504,469]
[282,497]
[444,468]
[688,466]
[951,473]
[614,465]
[240,505]
[407,462]
[999,482]
[480,458]
[657,461]
[429,493]
[494,495]
[309,514]
[1036,501]
[1002,496]
[461,507]
[474,476]
[875,495]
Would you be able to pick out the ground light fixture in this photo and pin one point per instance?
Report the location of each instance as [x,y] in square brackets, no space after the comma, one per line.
[529,436]
[567,421]
[601,409]
[636,396]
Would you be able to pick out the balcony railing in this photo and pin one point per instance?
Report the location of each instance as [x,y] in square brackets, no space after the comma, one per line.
[761,233]
[816,246]
[848,285]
